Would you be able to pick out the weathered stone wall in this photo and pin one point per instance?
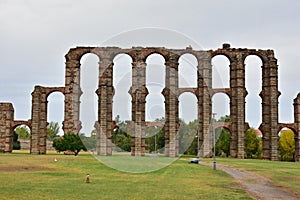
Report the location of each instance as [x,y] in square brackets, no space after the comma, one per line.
[6,132]
[204,93]
[237,94]
[39,118]
[25,144]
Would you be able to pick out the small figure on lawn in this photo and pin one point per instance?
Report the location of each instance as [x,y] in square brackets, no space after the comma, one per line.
[87,179]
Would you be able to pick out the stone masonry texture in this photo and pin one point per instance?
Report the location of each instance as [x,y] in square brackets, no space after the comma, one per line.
[138,91]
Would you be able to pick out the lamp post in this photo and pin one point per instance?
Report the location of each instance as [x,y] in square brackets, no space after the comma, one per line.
[214,135]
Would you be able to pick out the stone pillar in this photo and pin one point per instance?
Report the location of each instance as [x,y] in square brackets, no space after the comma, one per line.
[105,96]
[237,108]
[43,123]
[72,97]
[38,135]
[6,132]
[204,104]
[297,123]
[138,93]
[269,97]
[170,93]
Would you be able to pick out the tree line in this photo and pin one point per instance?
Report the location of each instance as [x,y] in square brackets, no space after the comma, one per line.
[155,139]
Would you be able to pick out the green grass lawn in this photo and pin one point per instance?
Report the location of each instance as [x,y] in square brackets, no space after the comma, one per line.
[24,176]
[285,174]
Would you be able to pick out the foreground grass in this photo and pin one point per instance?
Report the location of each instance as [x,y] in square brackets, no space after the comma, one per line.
[284,174]
[24,176]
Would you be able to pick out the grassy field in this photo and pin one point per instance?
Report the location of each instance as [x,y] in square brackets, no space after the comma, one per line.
[24,176]
[284,174]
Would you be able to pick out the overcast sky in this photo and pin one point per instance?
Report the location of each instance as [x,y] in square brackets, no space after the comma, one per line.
[35,36]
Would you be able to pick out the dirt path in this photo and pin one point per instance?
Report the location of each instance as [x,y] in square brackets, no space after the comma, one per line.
[257,186]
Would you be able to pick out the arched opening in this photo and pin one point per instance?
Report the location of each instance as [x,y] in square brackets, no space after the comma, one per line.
[122,81]
[188,107]
[55,115]
[220,72]
[21,137]
[221,105]
[187,71]
[155,83]
[222,135]
[155,140]
[287,144]
[88,101]
[188,115]
[253,85]
[253,143]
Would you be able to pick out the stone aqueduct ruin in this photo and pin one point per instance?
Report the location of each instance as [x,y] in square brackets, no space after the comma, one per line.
[204,92]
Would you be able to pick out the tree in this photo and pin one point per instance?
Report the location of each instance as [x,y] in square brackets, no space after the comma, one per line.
[259,150]
[69,142]
[155,136]
[52,130]
[23,132]
[225,118]
[121,135]
[16,143]
[188,138]
[252,143]
[223,138]
[223,142]
[287,145]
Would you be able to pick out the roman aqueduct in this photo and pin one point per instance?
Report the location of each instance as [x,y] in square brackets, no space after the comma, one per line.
[204,92]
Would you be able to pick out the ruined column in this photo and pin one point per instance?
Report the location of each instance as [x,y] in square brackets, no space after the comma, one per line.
[138,92]
[170,93]
[38,135]
[297,123]
[43,123]
[204,104]
[237,108]
[105,96]
[72,97]
[269,97]
[36,118]
[6,132]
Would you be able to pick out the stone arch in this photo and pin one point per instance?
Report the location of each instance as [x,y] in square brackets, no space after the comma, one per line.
[188,69]
[88,99]
[252,98]
[55,104]
[218,61]
[155,73]
[289,126]
[20,122]
[204,92]
[218,127]
[122,85]
[39,117]
[226,91]
[261,55]
[226,125]
[190,97]
[16,136]
[217,94]
[161,51]
[222,52]
[50,90]
[73,88]
[293,128]
[158,126]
